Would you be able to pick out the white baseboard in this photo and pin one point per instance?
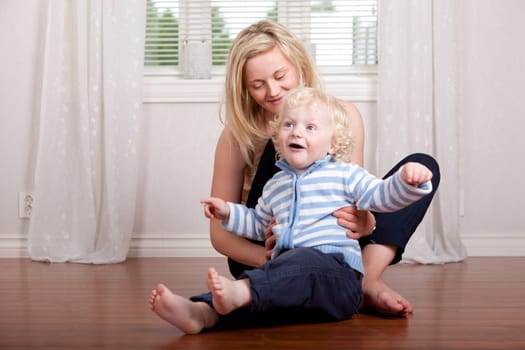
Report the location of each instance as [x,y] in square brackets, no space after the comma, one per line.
[497,244]
[171,245]
[13,246]
[198,245]
[141,246]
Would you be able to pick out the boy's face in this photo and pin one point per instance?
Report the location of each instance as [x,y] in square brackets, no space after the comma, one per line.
[305,135]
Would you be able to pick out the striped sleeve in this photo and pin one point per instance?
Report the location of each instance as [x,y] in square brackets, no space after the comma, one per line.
[252,222]
[387,195]
[245,222]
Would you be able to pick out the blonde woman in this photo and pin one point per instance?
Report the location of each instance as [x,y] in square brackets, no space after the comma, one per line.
[266,61]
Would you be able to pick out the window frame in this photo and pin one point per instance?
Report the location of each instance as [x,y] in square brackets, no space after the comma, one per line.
[166,85]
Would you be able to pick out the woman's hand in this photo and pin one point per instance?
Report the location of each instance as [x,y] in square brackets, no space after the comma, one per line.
[358,222]
[270,241]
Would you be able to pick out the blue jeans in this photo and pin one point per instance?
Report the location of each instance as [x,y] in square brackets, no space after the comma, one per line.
[300,285]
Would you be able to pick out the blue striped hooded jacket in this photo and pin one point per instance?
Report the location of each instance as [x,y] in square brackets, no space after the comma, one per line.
[302,205]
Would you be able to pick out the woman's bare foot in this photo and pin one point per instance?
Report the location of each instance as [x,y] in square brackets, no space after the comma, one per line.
[228,295]
[382,299]
[188,316]
[378,297]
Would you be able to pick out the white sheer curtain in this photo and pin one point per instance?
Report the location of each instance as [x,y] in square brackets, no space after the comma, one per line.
[87,131]
[417,112]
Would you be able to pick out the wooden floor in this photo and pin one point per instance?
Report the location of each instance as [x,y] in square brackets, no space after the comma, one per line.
[476,304]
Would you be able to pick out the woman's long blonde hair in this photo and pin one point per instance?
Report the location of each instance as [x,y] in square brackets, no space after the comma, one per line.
[243,115]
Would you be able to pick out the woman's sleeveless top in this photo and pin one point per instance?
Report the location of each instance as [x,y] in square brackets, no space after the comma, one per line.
[265,170]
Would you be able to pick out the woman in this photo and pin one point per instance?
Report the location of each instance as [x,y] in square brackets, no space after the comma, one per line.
[266,60]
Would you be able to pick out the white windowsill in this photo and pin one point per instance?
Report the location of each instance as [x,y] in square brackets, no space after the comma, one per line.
[168,89]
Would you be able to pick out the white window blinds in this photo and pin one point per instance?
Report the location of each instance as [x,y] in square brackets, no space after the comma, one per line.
[341,34]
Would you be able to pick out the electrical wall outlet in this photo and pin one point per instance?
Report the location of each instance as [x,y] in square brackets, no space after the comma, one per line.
[25,204]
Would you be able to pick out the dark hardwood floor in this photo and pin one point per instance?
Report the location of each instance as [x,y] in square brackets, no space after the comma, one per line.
[476,304]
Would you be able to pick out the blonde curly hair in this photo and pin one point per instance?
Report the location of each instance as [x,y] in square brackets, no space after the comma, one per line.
[306,96]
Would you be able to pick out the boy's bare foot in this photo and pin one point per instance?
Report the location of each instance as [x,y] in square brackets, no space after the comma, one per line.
[382,299]
[188,316]
[228,295]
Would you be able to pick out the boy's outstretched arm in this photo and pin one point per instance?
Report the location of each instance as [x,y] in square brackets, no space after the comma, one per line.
[216,208]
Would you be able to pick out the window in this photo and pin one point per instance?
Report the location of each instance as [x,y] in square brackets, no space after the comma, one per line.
[340,34]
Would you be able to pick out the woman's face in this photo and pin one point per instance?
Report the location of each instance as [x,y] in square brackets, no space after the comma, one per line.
[268,77]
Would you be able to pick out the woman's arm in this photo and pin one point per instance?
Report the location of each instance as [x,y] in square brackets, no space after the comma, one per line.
[227,183]
[359,223]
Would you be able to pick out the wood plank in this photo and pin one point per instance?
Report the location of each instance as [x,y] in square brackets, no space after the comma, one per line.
[476,304]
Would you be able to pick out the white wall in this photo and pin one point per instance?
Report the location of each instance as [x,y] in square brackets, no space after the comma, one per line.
[178,139]
[176,173]
[492,113]
[18,70]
